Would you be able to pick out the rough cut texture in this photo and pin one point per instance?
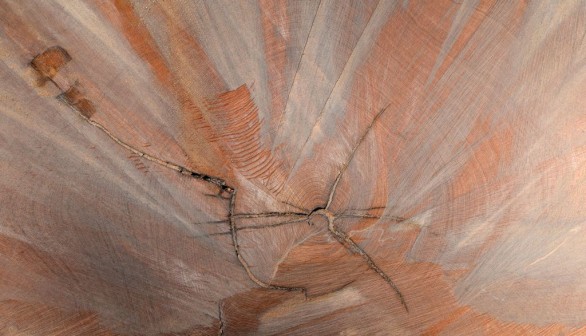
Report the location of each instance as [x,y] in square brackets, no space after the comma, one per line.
[292,167]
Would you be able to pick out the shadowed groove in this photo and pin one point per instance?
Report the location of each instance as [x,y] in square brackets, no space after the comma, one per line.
[268,214]
[244,263]
[352,246]
[234,116]
[255,227]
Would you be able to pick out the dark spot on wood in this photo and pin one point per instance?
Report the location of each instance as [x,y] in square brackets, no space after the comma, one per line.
[319,217]
[226,192]
[74,97]
[50,61]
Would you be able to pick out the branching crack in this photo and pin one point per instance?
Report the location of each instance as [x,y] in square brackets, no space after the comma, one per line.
[243,262]
[221,221]
[342,237]
[216,181]
[351,245]
[83,107]
[345,240]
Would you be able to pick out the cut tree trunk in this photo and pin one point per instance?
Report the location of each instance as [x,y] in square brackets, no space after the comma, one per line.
[292,167]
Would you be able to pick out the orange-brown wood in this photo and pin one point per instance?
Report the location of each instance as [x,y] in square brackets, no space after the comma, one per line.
[292,167]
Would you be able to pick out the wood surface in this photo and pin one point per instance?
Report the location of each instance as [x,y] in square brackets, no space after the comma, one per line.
[283,167]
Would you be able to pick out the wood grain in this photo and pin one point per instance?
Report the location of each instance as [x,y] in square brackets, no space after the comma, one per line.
[292,167]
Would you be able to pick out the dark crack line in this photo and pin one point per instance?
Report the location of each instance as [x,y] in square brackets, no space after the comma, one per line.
[352,246]
[221,221]
[269,214]
[253,215]
[342,237]
[368,216]
[264,226]
[220,183]
[183,170]
[221,319]
[243,262]
[256,227]
[347,163]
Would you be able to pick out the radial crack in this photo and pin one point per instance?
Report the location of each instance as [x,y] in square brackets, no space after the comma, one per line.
[352,153]
[257,227]
[269,214]
[233,232]
[351,245]
[220,183]
[230,193]
[221,319]
[221,221]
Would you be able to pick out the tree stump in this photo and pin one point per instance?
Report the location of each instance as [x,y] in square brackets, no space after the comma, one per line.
[292,167]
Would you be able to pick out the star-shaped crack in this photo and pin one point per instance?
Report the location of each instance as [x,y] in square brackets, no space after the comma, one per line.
[47,65]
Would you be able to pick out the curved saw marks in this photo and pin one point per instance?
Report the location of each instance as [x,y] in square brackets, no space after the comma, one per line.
[231,34]
[550,61]
[234,117]
[448,111]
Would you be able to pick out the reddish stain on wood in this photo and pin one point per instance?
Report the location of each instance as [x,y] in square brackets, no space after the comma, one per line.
[50,61]
[74,97]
